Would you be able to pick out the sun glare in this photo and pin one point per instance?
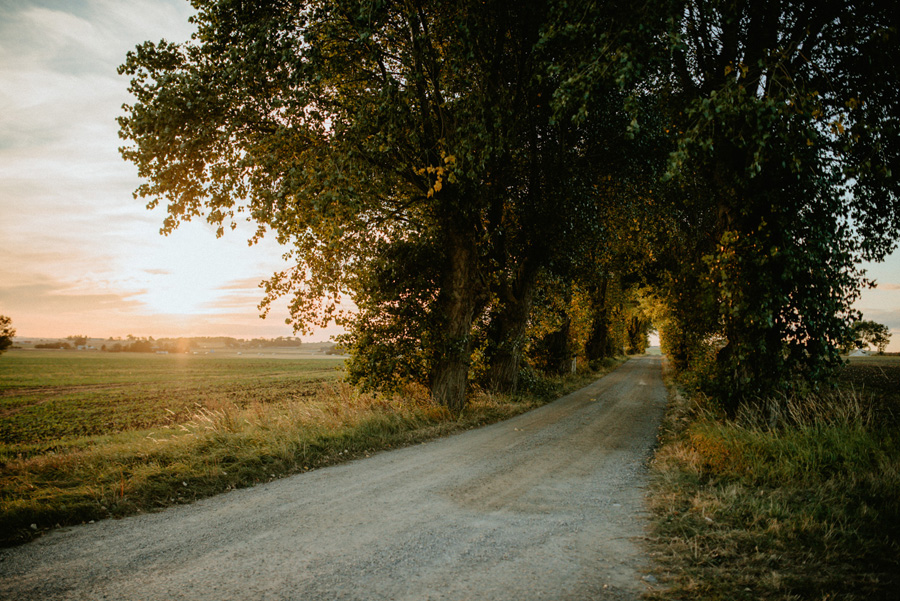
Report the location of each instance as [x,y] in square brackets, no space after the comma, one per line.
[185,290]
[190,272]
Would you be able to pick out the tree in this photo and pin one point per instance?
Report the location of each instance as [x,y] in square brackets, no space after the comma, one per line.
[563,216]
[783,177]
[350,129]
[77,340]
[436,162]
[7,332]
[638,323]
[865,333]
[406,151]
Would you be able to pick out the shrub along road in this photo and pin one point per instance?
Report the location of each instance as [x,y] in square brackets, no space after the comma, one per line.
[548,505]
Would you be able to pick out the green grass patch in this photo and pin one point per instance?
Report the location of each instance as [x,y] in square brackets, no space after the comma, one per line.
[123,434]
[796,498]
[50,397]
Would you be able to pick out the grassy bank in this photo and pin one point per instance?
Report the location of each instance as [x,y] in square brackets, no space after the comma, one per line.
[797,498]
[117,435]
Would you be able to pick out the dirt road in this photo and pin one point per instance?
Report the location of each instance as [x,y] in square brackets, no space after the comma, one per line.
[544,506]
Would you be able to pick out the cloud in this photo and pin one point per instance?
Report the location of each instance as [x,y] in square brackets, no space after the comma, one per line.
[243,294]
[888,286]
[79,252]
[243,284]
[244,301]
[884,314]
[81,36]
[40,304]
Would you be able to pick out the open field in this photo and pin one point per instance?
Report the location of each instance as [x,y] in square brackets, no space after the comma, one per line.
[874,375]
[795,499]
[50,399]
[90,435]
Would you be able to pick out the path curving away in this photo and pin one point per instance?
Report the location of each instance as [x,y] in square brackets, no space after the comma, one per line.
[548,505]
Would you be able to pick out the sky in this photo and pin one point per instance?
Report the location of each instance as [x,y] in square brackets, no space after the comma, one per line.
[78,254]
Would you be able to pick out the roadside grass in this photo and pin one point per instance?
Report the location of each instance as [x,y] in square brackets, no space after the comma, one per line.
[255,423]
[796,498]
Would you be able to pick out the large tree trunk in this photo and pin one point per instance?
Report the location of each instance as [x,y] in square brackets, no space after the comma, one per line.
[559,348]
[458,301]
[598,344]
[503,372]
[507,329]
[507,332]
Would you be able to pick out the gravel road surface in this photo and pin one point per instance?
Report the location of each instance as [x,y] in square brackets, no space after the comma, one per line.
[547,505]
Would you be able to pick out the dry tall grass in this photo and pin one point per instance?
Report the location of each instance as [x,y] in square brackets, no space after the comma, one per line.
[798,497]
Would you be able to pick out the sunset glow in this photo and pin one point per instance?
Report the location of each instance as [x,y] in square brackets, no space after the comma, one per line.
[80,254]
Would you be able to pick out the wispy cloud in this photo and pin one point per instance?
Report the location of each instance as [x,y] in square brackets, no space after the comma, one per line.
[49,296]
[250,283]
[241,295]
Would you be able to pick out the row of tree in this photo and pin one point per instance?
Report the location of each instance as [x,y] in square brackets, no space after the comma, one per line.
[186,345]
[136,344]
[486,179]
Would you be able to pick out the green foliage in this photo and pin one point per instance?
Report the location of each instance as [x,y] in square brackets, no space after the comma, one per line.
[435,162]
[348,128]
[364,134]
[637,331]
[552,339]
[770,217]
[389,338]
[7,332]
[864,333]
[532,382]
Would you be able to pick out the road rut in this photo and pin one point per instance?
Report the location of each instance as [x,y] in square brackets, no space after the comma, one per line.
[548,505]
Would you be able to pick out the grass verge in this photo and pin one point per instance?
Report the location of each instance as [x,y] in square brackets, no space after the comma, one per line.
[225,445]
[793,499]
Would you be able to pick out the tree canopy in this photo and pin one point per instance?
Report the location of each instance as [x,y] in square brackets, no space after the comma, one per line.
[488,179]
[782,177]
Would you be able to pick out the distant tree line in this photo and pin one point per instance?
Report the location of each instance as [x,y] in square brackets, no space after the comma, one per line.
[57,345]
[135,344]
[132,344]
